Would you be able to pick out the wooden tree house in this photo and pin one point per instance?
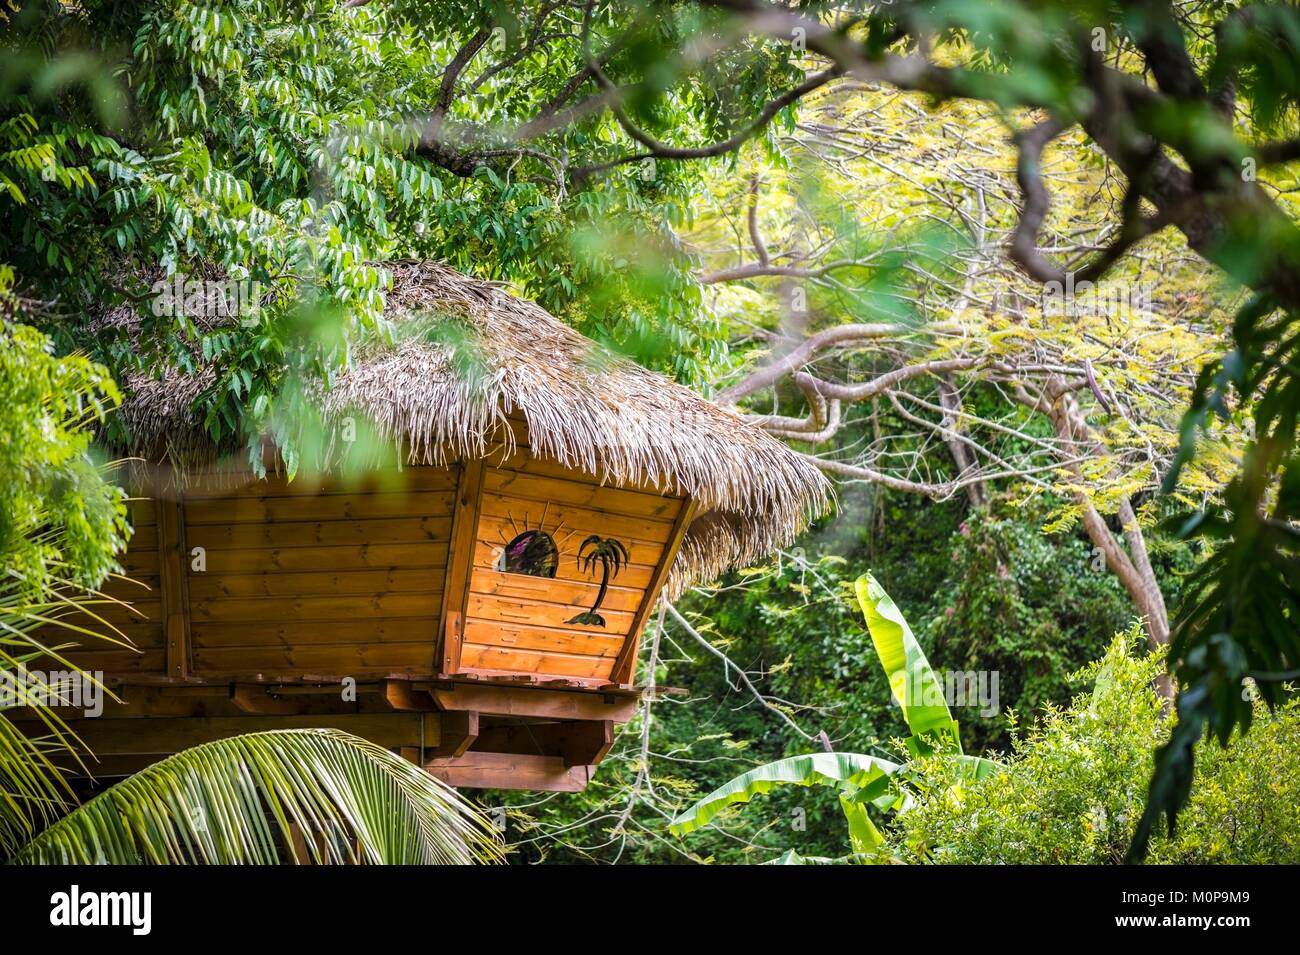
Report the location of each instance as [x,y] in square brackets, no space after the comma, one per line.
[477,608]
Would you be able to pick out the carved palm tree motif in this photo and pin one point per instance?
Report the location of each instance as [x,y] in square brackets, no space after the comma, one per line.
[610,556]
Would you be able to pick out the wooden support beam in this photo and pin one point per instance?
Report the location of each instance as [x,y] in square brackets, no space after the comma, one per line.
[123,737]
[460,565]
[458,732]
[526,701]
[576,742]
[173,584]
[257,701]
[333,688]
[311,681]
[510,771]
[586,743]
[403,696]
[453,638]
[624,670]
[143,701]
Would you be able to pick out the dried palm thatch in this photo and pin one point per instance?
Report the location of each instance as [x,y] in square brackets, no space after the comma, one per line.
[465,354]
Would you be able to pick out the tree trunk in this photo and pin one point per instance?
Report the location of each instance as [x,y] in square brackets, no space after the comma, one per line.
[1132,568]
[976,493]
[1137,577]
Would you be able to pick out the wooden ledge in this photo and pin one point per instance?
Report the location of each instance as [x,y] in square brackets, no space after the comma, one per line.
[475,770]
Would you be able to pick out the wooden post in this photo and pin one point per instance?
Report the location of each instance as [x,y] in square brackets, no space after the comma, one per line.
[174,586]
[624,669]
[460,566]
[457,734]
[400,695]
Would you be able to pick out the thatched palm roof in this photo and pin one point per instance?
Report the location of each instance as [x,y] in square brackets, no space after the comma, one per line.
[443,396]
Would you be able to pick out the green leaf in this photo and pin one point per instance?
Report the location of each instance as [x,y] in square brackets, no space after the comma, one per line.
[789,857]
[237,800]
[848,771]
[864,837]
[913,683]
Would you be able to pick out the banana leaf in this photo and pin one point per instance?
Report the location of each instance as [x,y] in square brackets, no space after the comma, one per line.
[914,684]
[846,771]
[864,837]
[791,857]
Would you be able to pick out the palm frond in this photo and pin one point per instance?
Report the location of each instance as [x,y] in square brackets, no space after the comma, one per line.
[239,800]
[33,791]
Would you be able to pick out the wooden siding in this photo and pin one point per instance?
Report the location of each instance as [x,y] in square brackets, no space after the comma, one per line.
[334,580]
[321,578]
[514,623]
[140,622]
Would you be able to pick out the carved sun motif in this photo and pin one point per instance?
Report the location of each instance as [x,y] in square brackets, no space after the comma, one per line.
[532,551]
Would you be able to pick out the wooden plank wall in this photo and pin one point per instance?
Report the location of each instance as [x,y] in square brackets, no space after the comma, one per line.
[518,624]
[306,578]
[142,624]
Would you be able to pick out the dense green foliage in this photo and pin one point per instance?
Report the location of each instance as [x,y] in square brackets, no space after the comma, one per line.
[279,142]
[61,521]
[61,527]
[1073,788]
[864,782]
[983,592]
[1031,606]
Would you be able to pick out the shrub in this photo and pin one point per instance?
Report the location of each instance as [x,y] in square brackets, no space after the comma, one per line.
[1076,782]
[1032,607]
[60,519]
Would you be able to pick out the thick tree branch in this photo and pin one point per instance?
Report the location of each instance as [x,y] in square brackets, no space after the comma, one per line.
[841,336]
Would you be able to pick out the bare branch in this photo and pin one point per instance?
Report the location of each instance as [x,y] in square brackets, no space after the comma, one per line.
[841,336]
[729,667]
[882,383]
